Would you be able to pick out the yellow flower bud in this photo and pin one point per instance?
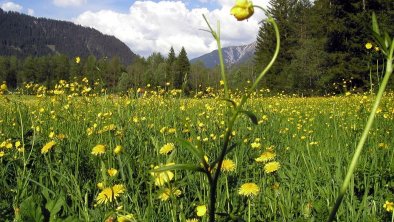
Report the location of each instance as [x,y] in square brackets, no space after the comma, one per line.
[368,45]
[242,10]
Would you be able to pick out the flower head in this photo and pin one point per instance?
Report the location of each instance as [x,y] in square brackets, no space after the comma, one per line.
[389,206]
[271,167]
[243,9]
[48,147]
[167,148]
[228,166]
[368,45]
[110,193]
[112,172]
[201,210]
[3,87]
[167,193]
[249,189]
[98,150]
[118,149]
[77,59]
[162,177]
[266,156]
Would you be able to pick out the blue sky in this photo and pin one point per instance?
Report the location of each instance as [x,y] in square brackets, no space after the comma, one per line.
[150,26]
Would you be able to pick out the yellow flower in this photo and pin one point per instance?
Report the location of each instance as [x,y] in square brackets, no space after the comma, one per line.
[167,148]
[242,10]
[368,45]
[165,195]
[77,59]
[201,210]
[163,177]
[2,153]
[118,149]
[271,167]
[100,185]
[377,49]
[98,149]
[110,193]
[3,87]
[47,147]
[389,206]
[112,172]
[255,145]
[126,218]
[228,166]
[249,189]
[266,156]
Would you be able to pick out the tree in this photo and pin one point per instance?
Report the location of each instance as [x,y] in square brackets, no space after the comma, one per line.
[170,66]
[182,72]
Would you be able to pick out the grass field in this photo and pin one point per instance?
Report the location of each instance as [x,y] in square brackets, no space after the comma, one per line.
[53,169]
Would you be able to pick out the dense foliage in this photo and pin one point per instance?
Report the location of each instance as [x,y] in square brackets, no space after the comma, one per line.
[22,35]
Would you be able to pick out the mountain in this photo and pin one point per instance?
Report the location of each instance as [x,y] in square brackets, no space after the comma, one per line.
[231,55]
[24,35]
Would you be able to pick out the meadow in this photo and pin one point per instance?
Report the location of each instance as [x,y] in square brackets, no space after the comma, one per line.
[76,153]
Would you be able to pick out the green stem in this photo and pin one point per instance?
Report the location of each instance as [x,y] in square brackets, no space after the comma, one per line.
[371,118]
[248,209]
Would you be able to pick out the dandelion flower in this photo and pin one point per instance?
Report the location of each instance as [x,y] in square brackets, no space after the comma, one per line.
[266,156]
[228,166]
[271,167]
[201,210]
[118,149]
[368,45]
[110,193]
[98,150]
[47,147]
[100,185]
[167,148]
[249,189]
[112,172]
[2,153]
[255,145]
[389,206]
[162,177]
[77,59]
[166,193]
[118,189]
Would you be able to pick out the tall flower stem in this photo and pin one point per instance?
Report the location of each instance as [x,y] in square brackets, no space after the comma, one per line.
[213,181]
[371,118]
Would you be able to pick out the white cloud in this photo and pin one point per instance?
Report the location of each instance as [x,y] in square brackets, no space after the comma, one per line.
[156,26]
[30,11]
[66,3]
[11,6]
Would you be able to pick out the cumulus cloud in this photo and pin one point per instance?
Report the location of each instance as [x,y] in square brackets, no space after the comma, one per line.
[30,11]
[156,26]
[66,3]
[11,6]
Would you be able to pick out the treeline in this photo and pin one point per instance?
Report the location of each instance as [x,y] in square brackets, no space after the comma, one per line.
[173,71]
[323,45]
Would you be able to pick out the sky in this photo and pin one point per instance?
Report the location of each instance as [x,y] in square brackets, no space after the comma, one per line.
[151,26]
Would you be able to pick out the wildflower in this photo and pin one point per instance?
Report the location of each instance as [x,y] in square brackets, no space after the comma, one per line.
[110,193]
[17,144]
[100,185]
[2,153]
[389,206]
[98,149]
[255,145]
[165,195]
[249,189]
[228,166]
[162,177]
[201,210]
[266,156]
[242,10]
[126,218]
[47,147]
[112,172]
[118,149]
[271,167]
[167,148]
[3,87]
[368,45]
[77,59]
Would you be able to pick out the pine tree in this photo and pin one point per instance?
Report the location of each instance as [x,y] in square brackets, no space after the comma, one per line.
[182,70]
[170,66]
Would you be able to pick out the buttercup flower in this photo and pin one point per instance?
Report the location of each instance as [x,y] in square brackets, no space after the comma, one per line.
[249,189]
[368,45]
[389,206]
[201,210]
[242,10]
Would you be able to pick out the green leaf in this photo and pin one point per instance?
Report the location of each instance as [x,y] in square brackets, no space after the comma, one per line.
[178,167]
[380,41]
[54,206]
[387,40]
[30,211]
[194,150]
[231,101]
[251,116]
[375,26]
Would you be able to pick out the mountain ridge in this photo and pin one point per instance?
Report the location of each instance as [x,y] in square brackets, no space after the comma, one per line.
[23,35]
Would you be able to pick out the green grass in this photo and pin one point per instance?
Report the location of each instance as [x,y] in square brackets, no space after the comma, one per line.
[314,139]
